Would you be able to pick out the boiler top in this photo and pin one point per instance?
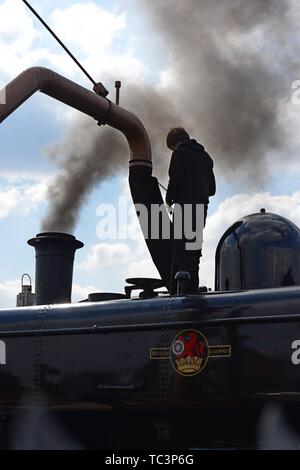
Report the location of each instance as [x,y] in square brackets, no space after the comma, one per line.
[258,251]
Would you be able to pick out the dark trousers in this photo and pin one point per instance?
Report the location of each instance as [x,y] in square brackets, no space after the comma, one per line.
[184,259]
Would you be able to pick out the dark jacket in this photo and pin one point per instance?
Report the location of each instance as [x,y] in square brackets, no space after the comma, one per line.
[191,174]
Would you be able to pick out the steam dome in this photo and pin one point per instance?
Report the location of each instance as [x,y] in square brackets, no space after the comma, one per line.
[258,251]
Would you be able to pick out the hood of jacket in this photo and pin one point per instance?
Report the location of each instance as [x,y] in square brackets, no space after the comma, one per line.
[191,144]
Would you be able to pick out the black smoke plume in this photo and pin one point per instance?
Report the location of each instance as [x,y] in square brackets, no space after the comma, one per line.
[230,66]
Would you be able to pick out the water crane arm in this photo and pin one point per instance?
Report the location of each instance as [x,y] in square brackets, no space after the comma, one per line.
[144,187]
[62,89]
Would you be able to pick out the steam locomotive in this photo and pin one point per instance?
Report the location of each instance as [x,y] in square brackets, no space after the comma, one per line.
[153,370]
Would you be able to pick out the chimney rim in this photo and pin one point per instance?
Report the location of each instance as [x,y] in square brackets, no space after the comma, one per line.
[53,236]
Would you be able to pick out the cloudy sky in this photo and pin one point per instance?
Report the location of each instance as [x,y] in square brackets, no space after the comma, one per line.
[225,72]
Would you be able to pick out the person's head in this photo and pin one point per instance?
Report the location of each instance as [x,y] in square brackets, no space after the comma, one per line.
[176,136]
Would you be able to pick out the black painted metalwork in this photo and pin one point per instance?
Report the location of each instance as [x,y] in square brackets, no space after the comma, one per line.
[258,251]
[54,266]
[127,346]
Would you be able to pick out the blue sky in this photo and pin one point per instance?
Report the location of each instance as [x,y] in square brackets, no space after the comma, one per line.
[114,42]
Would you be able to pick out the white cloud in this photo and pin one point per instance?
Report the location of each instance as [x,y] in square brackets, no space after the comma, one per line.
[34,195]
[106,254]
[144,267]
[11,176]
[8,201]
[96,44]
[21,198]
[17,37]
[8,293]
[121,261]
[88,30]
[131,256]
[88,27]
[81,293]
[132,253]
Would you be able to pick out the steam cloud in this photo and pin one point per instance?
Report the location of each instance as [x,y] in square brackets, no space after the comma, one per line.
[230,66]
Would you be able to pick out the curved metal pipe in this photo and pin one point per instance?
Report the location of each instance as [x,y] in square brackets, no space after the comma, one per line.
[144,188]
[103,110]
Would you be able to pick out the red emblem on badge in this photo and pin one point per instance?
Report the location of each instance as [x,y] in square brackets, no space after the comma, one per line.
[189,352]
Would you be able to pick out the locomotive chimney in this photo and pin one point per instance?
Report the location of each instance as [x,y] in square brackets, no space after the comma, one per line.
[54,266]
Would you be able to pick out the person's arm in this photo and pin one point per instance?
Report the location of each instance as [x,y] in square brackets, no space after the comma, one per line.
[212,183]
[175,175]
[212,180]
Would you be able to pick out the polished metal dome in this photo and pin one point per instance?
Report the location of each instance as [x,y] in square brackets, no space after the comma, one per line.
[258,251]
